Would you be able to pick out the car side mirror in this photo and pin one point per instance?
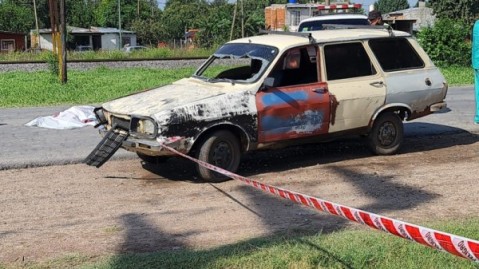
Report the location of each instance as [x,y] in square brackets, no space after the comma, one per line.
[268,82]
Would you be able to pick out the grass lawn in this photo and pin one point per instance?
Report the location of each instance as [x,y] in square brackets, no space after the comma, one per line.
[27,89]
[359,247]
[23,89]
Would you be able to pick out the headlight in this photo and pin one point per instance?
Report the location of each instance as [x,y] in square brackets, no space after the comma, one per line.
[100,115]
[143,127]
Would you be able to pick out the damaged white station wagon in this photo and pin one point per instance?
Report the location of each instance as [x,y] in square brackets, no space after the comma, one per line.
[279,89]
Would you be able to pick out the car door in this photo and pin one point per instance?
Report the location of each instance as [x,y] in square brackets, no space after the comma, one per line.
[411,79]
[296,105]
[358,88]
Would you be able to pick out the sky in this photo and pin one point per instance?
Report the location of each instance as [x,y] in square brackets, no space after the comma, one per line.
[365,3]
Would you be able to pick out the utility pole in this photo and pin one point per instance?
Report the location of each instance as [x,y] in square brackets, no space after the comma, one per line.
[242,19]
[119,24]
[36,25]
[234,18]
[138,10]
[58,35]
[63,33]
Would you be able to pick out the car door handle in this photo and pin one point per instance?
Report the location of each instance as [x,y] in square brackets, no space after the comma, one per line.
[320,90]
[377,84]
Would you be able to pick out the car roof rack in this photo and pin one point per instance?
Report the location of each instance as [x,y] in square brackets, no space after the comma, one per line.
[306,35]
[353,26]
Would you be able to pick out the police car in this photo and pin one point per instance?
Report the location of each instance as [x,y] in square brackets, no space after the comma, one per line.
[321,22]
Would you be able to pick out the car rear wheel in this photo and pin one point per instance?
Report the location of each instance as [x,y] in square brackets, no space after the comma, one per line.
[386,136]
[221,149]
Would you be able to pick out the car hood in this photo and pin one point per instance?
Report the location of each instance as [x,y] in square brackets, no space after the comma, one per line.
[167,97]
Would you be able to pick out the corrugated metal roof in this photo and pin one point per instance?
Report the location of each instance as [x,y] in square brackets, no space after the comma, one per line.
[91,30]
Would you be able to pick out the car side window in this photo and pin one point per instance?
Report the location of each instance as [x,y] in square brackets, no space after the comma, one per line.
[296,66]
[347,60]
[395,54]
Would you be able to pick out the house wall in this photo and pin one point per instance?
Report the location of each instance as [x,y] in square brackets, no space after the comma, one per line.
[275,17]
[46,42]
[6,40]
[110,41]
[296,14]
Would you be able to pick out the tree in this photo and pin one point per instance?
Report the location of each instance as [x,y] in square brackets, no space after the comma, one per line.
[148,31]
[445,42]
[80,13]
[16,17]
[386,6]
[181,15]
[465,10]
[106,13]
[214,28]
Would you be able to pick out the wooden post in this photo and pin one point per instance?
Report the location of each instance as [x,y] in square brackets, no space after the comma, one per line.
[234,18]
[63,59]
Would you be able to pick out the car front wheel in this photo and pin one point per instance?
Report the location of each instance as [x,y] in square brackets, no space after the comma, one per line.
[221,149]
[386,135]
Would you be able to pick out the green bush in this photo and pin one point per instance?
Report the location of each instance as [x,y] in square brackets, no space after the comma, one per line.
[447,42]
[52,60]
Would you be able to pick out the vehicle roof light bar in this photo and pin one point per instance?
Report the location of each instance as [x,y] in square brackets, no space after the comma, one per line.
[339,6]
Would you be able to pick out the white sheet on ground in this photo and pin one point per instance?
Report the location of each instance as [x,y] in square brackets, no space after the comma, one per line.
[74,117]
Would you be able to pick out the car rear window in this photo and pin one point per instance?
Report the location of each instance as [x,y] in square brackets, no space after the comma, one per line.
[318,25]
[347,60]
[395,54]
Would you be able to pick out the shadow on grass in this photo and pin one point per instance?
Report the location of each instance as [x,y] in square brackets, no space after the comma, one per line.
[352,249]
[179,256]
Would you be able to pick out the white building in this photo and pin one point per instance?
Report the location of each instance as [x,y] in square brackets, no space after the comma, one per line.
[98,38]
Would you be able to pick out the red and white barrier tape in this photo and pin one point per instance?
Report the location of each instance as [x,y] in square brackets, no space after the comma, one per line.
[457,245]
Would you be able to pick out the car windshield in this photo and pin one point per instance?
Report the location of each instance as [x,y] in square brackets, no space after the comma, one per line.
[318,25]
[242,63]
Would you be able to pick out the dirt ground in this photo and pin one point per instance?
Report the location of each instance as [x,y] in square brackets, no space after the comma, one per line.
[126,206]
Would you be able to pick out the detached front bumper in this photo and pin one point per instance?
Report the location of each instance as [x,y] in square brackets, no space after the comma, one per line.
[110,143]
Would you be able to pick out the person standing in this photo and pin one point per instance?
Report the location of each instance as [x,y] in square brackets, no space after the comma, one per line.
[375,18]
[475,66]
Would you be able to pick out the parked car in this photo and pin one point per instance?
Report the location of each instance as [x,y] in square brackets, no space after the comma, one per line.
[320,22]
[134,48]
[276,90]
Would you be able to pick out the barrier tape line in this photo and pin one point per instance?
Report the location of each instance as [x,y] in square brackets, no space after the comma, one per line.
[453,244]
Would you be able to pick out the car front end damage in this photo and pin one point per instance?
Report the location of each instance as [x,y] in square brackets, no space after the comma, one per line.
[140,134]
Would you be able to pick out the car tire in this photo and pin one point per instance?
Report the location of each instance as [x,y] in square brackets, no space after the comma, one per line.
[386,135]
[221,149]
[152,159]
